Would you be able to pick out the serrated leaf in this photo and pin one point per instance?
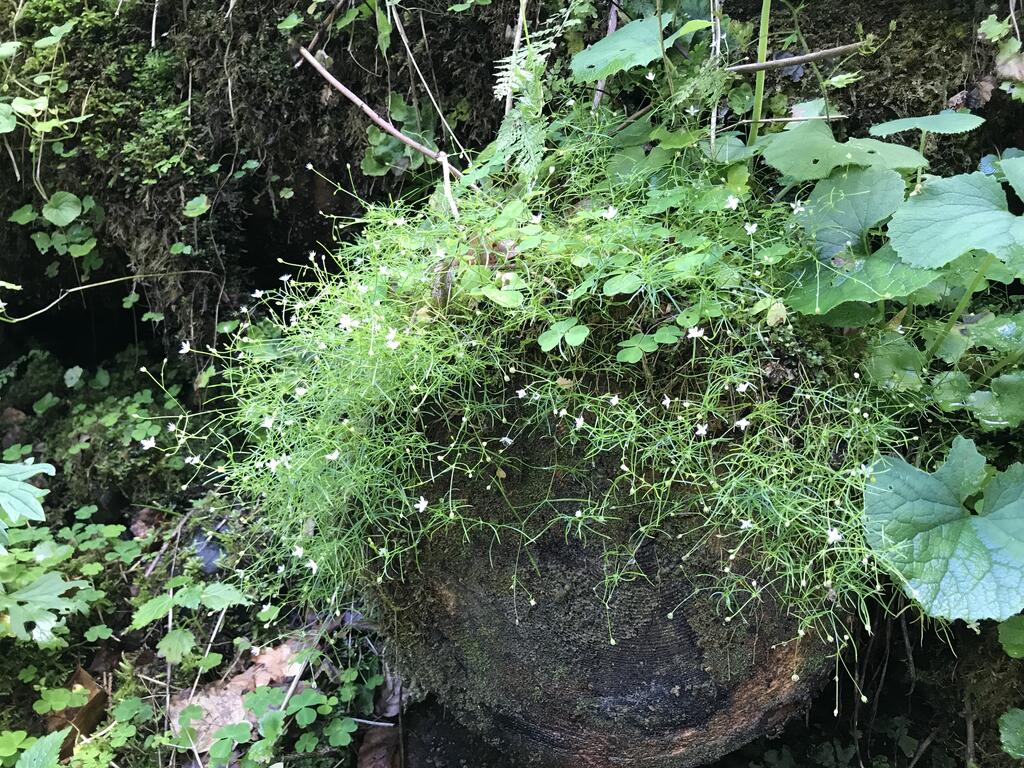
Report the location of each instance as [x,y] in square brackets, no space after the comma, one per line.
[175,645]
[946,122]
[957,562]
[952,216]
[845,206]
[62,208]
[1011,733]
[19,499]
[1011,636]
[809,151]
[1001,406]
[634,45]
[34,611]
[218,596]
[820,287]
[44,752]
[152,610]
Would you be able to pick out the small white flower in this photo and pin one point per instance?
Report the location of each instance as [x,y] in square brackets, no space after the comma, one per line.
[332,456]
[147,443]
[536,218]
[732,202]
[580,422]
[391,341]
[834,536]
[746,525]
[610,212]
[743,424]
[300,391]
[192,460]
[421,505]
[750,228]
[347,323]
[702,430]
[613,400]
[285,278]
[695,333]
[650,76]
[797,207]
[311,564]
[692,109]
[506,441]
[399,222]
[743,386]
[298,551]
[172,427]
[666,401]
[185,348]
[520,393]
[364,289]
[268,422]
[309,166]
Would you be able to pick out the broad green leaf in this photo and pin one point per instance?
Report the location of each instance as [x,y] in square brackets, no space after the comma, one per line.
[8,49]
[29,107]
[19,499]
[843,207]
[952,216]
[509,299]
[219,595]
[1011,733]
[24,215]
[1013,169]
[152,610]
[819,287]
[1001,406]
[809,151]
[290,21]
[1011,636]
[957,557]
[62,208]
[946,121]
[576,335]
[197,206]
[8,120]
[896,364]
[634,45]
[34,611]
[175,645]
[44,752]
[629,283]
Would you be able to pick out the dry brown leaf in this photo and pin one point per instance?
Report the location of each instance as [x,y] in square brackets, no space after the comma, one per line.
[1012,68]
[221,702]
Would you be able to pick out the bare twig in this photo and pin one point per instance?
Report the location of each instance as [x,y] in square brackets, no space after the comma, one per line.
[969,717]
[790,119]
[152,26]
[446,171]
[328,20]
[923,747]
[828,53]
[716,54]
[1013,18]
[613,23]
[14,163]
[383,124]
[633,118]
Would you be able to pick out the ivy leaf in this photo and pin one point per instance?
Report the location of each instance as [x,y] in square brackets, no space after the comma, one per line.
[197,206]
[634,45]
[175,645]
[947,122]
[952,216]
[44,752]
[820,287]
[1011,637]
[809,151]
[62,208]
[1011,733]
[960,559]
[843,207]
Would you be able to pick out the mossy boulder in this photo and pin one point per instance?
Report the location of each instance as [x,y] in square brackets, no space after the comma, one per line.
[554,650]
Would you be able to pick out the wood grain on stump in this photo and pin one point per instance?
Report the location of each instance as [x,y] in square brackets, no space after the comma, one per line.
[516,641]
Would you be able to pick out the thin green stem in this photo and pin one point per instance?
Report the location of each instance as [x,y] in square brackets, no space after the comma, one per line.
[992,371]
[664,55]
[762,56]
[960,307]
[923,145]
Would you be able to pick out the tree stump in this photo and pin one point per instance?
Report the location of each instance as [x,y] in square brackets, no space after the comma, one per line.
[535,649]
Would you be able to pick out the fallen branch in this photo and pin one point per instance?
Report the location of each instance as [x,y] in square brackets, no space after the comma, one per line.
[793,61]
[383,124]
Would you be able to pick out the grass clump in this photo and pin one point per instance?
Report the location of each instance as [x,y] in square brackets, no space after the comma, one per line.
[618,305]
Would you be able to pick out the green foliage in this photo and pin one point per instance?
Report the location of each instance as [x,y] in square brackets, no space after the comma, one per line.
[1011,733]
[19,499]
[945,122]
[386,153]
[1011,636]
[45,752]
[635,44]
[957,551]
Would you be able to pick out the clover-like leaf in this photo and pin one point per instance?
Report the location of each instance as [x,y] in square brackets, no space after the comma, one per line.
[952,216]
[959,557]
[843,208]
[946,121]
[820,287]
[570,331]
